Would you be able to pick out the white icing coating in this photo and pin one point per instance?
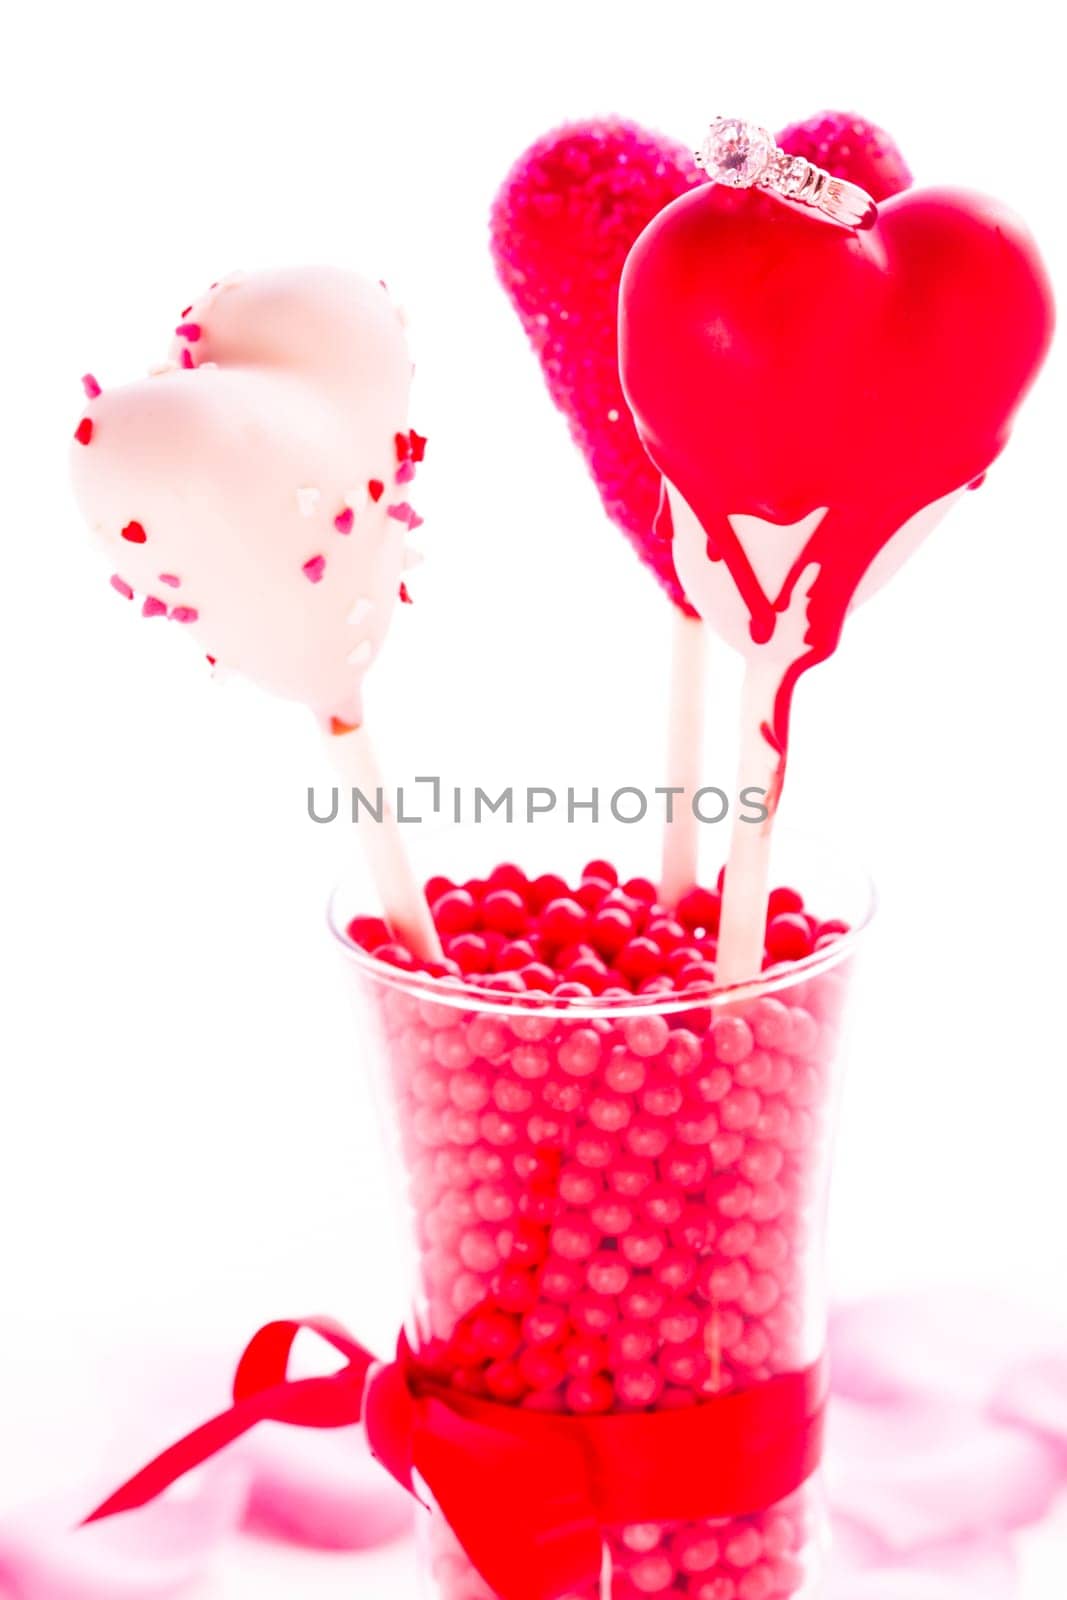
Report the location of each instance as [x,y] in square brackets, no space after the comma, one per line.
[771,549]
[236,480]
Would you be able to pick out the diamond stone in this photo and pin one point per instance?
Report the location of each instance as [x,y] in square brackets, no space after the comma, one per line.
[736,153]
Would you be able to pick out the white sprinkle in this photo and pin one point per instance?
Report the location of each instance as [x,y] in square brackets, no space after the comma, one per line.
[208,366]
[613,415]
[413,558]
[231,280]
[360,611]
[308,500]
[362,654]
[162,368]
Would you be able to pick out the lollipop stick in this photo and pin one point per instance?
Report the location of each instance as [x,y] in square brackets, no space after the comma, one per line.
[681,841]
[745,892]
[403,902]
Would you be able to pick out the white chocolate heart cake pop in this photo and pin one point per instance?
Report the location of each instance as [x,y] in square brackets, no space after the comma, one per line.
[254,489]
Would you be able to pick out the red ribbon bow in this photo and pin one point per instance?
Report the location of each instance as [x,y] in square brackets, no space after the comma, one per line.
[526,1493]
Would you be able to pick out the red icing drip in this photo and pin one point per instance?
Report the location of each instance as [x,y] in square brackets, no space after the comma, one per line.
[777,363]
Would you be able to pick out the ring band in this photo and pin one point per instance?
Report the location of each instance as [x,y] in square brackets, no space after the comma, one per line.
[742,155]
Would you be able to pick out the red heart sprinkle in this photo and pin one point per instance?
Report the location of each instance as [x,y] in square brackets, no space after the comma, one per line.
[133,533]
[344,520]
[314,569]
[84,431]
[376,488]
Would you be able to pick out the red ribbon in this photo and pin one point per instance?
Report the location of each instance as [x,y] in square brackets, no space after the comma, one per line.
[526,1493]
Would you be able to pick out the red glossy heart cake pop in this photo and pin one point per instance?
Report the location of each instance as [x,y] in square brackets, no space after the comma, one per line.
[808,392]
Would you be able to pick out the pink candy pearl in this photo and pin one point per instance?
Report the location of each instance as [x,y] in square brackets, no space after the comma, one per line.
[744,1549]
[575,1240]
[695,1550]
[642,1536]
[651,1574]
[642,1246]
[638,1385]
[610,1113]
[612,1217]
[579,1054]
[544,1324]
[625,1072]
[732,1039]
[645,1138]
[579,1187]
[646,1035]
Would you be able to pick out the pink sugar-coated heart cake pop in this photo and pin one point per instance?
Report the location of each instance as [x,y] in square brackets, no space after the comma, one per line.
[562,225]
[255,488]
[814,396]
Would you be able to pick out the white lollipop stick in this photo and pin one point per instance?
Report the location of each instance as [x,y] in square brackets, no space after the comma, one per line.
[746,889]
[685,738]
[403,902]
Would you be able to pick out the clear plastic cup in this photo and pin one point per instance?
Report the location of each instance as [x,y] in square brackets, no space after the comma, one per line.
[620,1207]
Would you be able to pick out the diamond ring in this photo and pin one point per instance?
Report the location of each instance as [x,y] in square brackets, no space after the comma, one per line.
[744,156]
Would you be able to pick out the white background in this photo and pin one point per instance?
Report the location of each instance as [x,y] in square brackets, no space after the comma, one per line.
[186,1140]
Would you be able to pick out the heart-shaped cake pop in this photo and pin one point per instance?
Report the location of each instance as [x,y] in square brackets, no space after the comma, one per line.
[562,225]
[836,386]
[254,489]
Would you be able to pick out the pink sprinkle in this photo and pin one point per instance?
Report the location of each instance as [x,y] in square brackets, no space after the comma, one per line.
[170,578]
[91,387]
[314,569]
[401,512]
[122,587]
[188,330]
[153,607]
[405,472]
[184,614]
[187,359]
[415,521]
[344,520]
